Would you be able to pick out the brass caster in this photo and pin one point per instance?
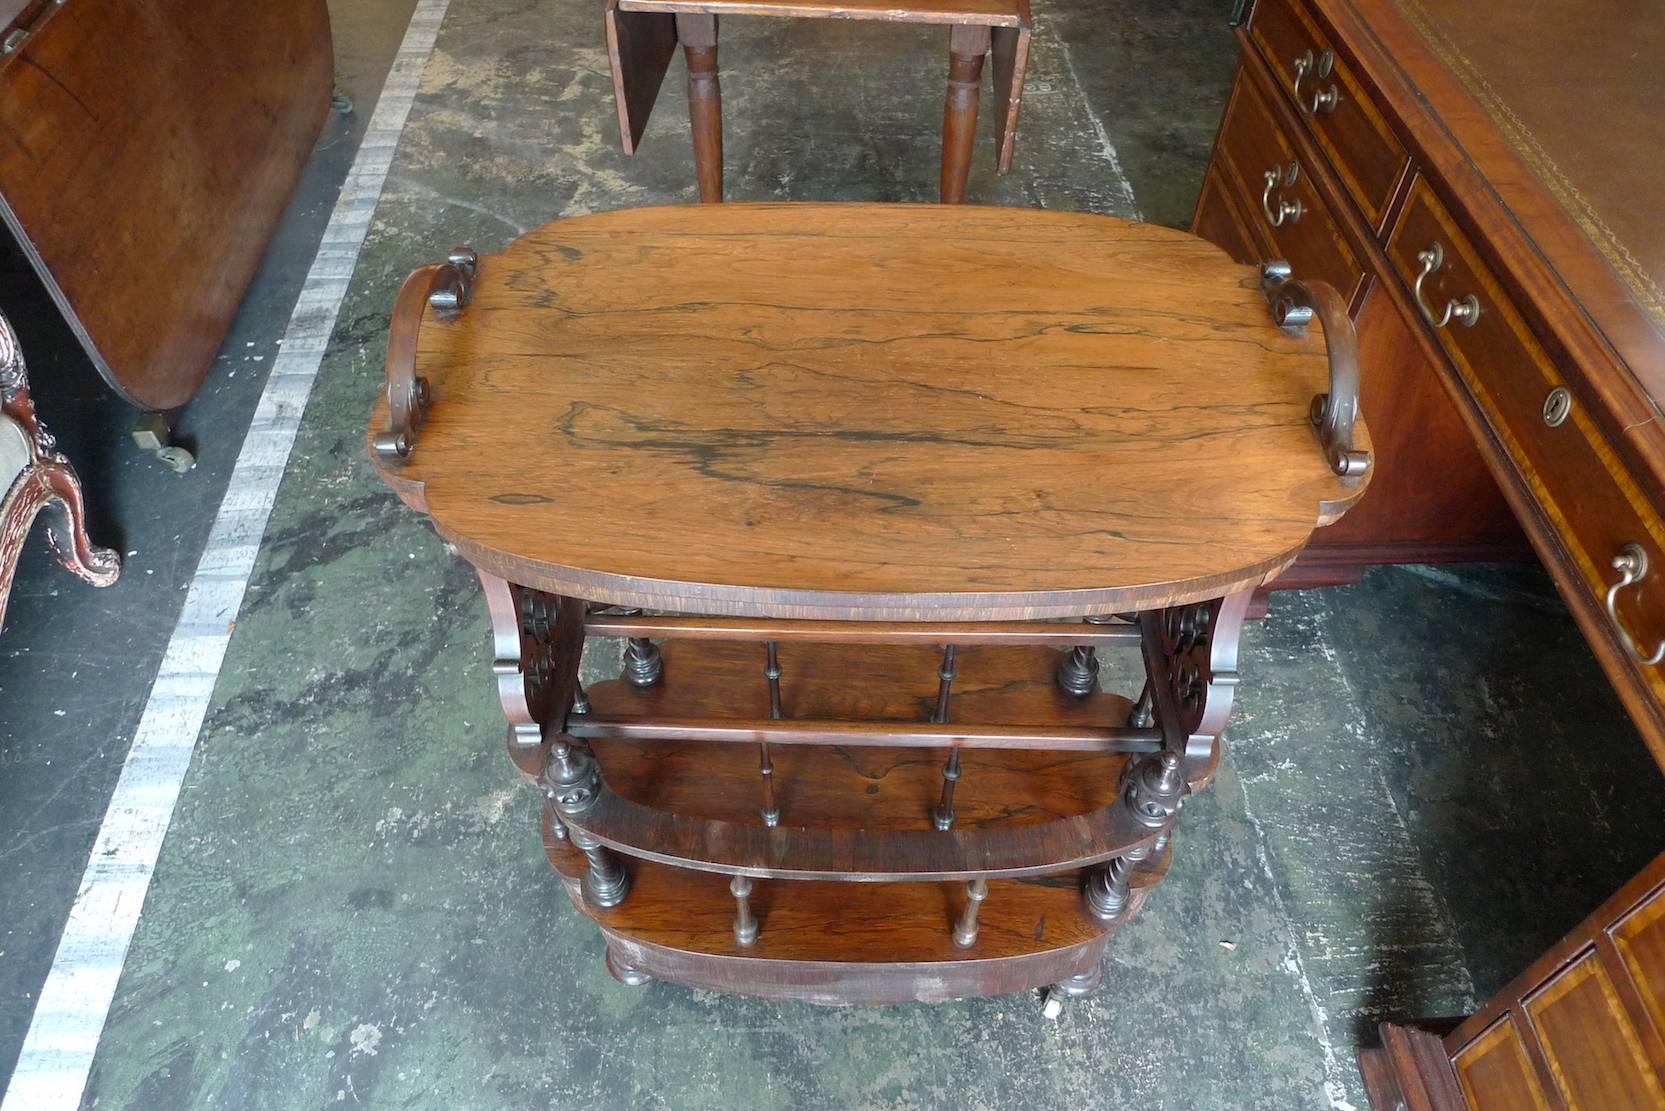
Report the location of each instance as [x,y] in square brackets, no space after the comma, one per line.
[176,459]
[152,433]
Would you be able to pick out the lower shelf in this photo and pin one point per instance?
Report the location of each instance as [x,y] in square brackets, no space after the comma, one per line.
[842,943]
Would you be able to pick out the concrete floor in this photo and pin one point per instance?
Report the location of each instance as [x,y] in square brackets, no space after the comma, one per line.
[1429,778]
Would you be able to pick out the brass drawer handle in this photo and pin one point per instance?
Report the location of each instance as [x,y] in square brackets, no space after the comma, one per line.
[1632,565]
[1464,312]
[1287,209]
[1324,100]
[1303,66]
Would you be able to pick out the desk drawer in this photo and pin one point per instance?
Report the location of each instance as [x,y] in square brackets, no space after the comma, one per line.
[1594,502]
[1287,213]
[1353,134]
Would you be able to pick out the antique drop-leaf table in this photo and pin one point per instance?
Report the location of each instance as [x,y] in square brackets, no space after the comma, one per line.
[864,490]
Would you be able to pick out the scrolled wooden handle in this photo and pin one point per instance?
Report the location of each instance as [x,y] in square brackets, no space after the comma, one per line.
[447,287]
[1294,303]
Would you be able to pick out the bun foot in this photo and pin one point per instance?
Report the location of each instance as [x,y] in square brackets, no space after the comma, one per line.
[624,972]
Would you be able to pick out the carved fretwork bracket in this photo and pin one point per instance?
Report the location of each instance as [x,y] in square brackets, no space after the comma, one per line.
[1191,660]
[537,640]
[1294,303]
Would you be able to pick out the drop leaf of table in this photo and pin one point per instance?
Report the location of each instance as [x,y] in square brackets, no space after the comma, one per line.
[858,461]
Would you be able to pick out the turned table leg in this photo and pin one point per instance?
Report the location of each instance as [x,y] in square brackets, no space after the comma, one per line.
[966,47]
[698,36]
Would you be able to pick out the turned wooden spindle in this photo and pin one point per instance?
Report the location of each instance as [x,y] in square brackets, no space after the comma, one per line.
[1153,788]
[965,930]
[1108,890]
[605,882]
[967,46]
[943,816]
[1078,670]
[580,700]
[766,766]
[642,663]
[1143,714]
[698,35]
[745,922]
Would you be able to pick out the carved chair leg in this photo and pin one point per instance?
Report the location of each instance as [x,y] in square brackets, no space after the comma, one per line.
[967,46]
[51,485]
[698,36]
[68,537]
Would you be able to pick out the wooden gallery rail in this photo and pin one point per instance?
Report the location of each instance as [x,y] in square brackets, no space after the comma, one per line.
[859,751]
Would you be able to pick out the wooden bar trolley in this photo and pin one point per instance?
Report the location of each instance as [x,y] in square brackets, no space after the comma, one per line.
[864,491]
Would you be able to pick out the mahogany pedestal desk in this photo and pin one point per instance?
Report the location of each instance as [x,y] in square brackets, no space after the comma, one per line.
[864,469]
[1483,180]
[642,35]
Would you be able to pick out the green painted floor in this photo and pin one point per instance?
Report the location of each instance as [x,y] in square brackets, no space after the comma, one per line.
[1429,778]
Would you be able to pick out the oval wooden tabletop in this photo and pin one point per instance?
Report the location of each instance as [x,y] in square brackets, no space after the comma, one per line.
[870,411]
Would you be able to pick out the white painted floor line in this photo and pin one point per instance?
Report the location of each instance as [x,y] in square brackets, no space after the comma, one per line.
[69,1017]
[1123,187]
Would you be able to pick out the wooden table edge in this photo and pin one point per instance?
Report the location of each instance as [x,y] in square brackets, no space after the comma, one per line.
[731,600]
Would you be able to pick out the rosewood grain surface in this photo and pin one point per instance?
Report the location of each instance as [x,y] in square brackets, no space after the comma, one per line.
[821,402]
[147,149]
